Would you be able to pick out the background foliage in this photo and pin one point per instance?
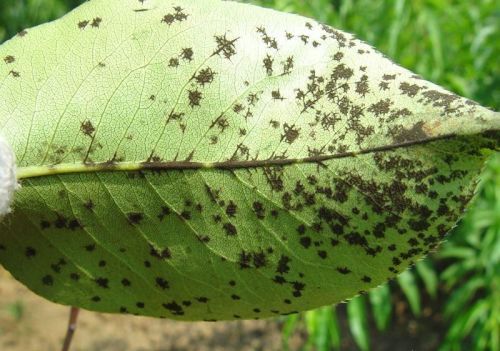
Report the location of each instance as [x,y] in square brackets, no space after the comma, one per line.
[457,45]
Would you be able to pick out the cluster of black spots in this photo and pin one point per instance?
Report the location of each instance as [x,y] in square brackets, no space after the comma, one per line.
[9,59]
[90,247]
[225,47]
[247,259]
[96,299]
[235,297]
[161,254]
[177,16]
[95,23]
[266,39]
[87,128]
[61,222]
[202,299]
[102,263]
[135,218]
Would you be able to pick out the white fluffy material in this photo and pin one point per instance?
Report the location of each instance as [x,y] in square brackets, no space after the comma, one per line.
[8,183]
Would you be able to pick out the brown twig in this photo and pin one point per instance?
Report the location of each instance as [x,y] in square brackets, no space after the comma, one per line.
[73,318]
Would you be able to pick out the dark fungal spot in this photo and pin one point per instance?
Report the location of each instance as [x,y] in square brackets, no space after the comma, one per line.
[343,270]
[90,247]
[173,62]
[205,76]
[89,205]
[162,283]
[160,254]
[225,46]
[283,266]
[415,133]
[123,310]
[232,283]
[44,224]
[140,304]
[230,229]
[187,54]
[102,263]
[135,218]
[22,33]
[287,301]
[48,280]
[202,299]
[82,24]
[174,308]
[186,215]
[165,211]
[96,22]
[126,282]
[258,208]
[177,16]
[30,252]
[102,282]
[366,279]
[235,297]
[74,276]
[291,133]
[305,241]
[9,59]
[231,209]
[96,299]
[15,74]
[194,97]
[268,65]
[322,254]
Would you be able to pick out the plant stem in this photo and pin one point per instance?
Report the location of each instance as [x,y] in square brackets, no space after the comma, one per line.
[73,318]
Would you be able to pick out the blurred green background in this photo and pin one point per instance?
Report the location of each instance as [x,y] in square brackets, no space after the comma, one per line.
[455,44]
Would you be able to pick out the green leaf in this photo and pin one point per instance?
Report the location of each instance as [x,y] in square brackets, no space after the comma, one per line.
[358,322]
[410,288]
[380,299]
[428,274]
[207,160]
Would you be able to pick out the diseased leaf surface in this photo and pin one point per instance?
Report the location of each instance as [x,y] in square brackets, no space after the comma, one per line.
[208,160]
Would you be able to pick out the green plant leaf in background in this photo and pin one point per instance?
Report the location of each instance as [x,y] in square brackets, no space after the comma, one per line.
[213,160]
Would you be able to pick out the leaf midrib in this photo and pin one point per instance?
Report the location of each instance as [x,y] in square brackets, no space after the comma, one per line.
[112,166]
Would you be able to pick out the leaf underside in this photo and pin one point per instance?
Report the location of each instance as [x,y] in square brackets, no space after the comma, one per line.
[208,160]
